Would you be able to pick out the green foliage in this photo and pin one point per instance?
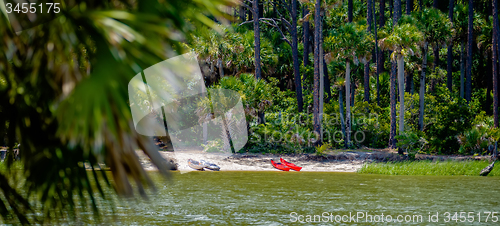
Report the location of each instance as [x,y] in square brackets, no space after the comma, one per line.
[63,96]
[350,41]
[404,38]
[411,142]
[256,95]
[481,138]
[321,150]
[235,49]
[435,25]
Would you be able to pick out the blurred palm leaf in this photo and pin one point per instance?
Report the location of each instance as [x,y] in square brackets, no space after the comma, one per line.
[63,97]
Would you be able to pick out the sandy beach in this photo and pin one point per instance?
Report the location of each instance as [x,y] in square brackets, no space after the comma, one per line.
[341,162]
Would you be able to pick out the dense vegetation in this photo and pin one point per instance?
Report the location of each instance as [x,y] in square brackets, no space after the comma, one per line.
[419,76]
[313,75]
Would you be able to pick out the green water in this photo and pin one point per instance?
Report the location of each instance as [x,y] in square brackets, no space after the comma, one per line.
[269,198]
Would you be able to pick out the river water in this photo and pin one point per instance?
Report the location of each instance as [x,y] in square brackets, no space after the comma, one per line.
[284,198]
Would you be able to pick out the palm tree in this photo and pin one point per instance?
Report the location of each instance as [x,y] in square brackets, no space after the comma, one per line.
[66,96]
[350,42]
[495,61]
[380,54]
[317,55]
[403,41]
[295,56]
[392,134]
[256,31]
[369,17]
[468,68]
[460,23]
[450,49]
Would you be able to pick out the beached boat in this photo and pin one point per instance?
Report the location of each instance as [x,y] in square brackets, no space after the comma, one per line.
[290,165]
[196,165]
[210,166]
[279,166]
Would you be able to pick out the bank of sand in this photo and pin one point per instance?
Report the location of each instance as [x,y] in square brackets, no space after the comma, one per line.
[340,162]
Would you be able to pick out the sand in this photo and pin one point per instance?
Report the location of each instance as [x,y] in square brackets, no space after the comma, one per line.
[346,162]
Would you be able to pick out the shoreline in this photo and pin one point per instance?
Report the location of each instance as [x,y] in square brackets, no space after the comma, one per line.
[340,161]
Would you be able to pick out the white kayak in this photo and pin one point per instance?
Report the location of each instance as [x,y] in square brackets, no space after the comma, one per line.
[210,166]
[196,165]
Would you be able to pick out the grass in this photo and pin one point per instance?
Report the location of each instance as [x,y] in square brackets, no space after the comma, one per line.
[445,168]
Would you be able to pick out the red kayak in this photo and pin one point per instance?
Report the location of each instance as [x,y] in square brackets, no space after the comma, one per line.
[279,166]
[290,165]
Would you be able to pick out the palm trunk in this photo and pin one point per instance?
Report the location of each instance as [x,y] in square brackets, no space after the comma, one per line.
[341,110]
[450,50]
[468,69]
[367,64]
[392,134]
[317,34]
[256,36]
[327,88]
[377,51]
[401,79]
[295,56]
[349,10]
[243,14]
[495,62]
[382,13]
[306,42]
[348,103]
[422,90]
[305,26]
[462,69]
[367,82]
[409,6]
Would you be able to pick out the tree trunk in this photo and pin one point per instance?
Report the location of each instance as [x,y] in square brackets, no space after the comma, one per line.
[256,36]
[468,69]
[348,103]
[380,54]
[422,90]
[341,110]
[409,82]
[495,62]
[409,6]
[243,14]
[317,36]
[401,79]
[392,134]
[328,90]
[434,4]
[349,11]
[367,82]
[305,26]
[295,56]
[450,50]
[462,69]
[367,64]
[353,92]
[382,13]
[261,9]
